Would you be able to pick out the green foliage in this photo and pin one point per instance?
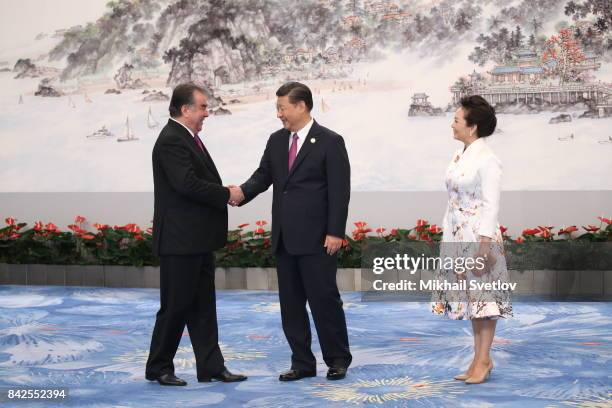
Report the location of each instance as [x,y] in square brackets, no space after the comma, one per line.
[129,245]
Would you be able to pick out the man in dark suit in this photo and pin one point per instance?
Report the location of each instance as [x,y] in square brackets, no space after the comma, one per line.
[309,168]
[189,223]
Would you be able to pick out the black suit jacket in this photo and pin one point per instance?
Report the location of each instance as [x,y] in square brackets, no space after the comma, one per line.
[190,213]
[311,200]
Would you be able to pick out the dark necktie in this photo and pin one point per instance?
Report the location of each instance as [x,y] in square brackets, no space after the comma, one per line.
[199,142]
[293,150]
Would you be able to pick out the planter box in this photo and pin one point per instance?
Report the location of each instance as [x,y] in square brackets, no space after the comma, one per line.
[530,282]
[4,274]
[56,275]
[258,278]
[37,274]
[235,278]
[151,276]
[17,274]
[92,275]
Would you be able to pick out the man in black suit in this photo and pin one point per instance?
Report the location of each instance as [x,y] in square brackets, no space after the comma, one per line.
[189,223]
[309,168]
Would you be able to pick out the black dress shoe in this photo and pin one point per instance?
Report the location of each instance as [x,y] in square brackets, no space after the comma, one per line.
[167,379]
[336,373]
[294,375]
[224,376]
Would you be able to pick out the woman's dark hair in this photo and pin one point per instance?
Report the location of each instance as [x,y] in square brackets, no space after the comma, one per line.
[182,95]
[480,113]
[297,92]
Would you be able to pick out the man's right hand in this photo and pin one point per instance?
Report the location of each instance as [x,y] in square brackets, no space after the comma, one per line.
[236,195]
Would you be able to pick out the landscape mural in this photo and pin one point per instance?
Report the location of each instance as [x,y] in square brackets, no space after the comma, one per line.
[81,107]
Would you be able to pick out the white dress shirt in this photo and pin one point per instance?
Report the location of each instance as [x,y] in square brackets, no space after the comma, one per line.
[302,134]
[189,130]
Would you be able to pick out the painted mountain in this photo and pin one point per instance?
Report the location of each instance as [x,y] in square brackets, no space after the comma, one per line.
[385,74]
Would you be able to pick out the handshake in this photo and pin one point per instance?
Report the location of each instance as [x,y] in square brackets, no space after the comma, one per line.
[236,195]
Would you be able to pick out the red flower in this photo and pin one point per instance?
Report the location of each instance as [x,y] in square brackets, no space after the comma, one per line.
[260,231]
[546,233]
[568,230]
[425,237]
[531,231]
[361,224]
[591,228]
[101,227]
[138,237]
[434,229]
[380,230]
[10,221]
[503,229]
[606,220]
[358,235]
[261,223]
[411,236]
[38,226]
[241,226]
[51,227]
[420,226]
[345,242]
[79,219]
[87,237]
[520,240]
[394,232]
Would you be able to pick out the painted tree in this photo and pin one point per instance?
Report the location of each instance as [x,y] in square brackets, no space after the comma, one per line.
[536,25]
[518,37]
[599,8]
[562,55]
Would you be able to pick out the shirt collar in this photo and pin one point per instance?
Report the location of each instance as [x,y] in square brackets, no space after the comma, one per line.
[472,149]
[303,132]
[189,130]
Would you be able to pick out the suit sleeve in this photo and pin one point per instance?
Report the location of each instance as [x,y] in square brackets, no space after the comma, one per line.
[175,160]
[261,179]
[490,176]
[338,186]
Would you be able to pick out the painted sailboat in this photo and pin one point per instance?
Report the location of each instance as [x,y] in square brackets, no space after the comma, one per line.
[324,107]
[151,122]
[606,141]
[129,135]
[101,133]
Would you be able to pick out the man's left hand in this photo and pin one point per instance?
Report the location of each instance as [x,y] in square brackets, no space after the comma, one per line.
[333,244]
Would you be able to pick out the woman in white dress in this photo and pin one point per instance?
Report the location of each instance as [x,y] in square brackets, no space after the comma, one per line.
[471,229]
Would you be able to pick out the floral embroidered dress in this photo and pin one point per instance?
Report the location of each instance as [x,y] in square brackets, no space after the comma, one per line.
[473,182]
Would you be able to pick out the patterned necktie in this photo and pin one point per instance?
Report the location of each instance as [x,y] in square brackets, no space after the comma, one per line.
[198,141]
[293,150]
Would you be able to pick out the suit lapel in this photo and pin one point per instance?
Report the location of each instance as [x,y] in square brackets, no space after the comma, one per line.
[307,146]
[284,156]
[210,163]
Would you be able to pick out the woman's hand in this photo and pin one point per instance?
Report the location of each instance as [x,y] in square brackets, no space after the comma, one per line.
[484,255]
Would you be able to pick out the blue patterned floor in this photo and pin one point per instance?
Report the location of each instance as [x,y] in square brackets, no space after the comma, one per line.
[95,341]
